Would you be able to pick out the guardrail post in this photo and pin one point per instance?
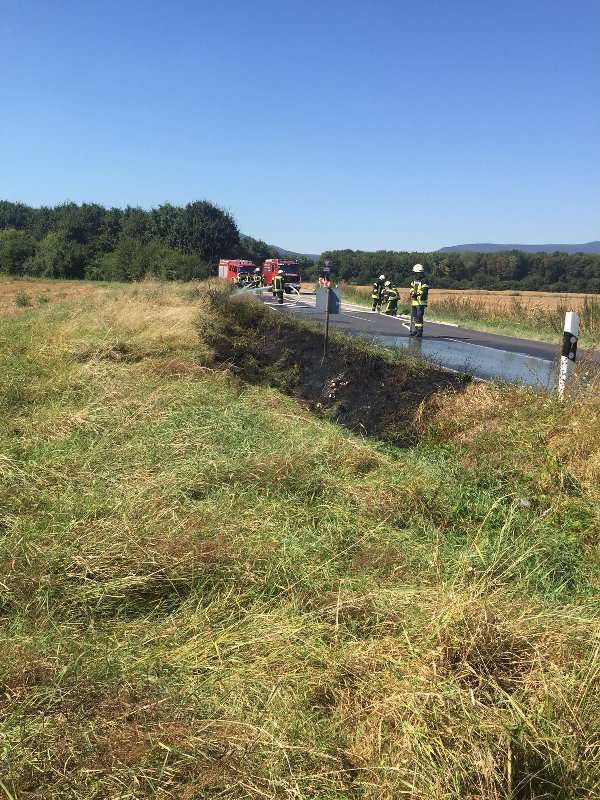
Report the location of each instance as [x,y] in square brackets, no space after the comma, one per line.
[568,353]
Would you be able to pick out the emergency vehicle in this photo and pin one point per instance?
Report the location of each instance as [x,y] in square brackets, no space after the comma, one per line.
[291,272]
[236,270]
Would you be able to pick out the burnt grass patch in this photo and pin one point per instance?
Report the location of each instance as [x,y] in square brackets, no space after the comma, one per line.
[367,389]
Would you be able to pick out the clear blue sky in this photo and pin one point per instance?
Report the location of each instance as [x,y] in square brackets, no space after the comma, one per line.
[396,125]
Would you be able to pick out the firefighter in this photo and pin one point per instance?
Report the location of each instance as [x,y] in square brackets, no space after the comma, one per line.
[277,286]
[377,293]
[419,293]
[258,280]
[242,279]
[391,295]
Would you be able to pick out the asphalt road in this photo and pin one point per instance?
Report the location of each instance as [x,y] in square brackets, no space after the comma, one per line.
[360,321]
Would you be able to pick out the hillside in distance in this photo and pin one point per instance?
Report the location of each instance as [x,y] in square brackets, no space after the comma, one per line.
[488,247]
[281,252]
[291,254]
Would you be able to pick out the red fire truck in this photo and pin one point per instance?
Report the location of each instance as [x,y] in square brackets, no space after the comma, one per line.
[236,270]
[291,272]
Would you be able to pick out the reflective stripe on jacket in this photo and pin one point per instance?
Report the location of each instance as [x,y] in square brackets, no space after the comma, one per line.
[419,292]
[278,283]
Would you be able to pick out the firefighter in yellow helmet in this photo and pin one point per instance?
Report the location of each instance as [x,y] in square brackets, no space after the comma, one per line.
[419,294]
[278,285]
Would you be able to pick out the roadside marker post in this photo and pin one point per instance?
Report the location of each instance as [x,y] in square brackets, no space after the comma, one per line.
[568,353]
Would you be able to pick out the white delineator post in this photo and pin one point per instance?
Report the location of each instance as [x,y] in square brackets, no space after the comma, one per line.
[568,353]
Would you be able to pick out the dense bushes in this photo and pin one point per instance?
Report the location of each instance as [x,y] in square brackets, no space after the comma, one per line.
[512,269]
[90,241]
[16,247]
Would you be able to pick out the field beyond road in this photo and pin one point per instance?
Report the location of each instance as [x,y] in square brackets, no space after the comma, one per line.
[213,584]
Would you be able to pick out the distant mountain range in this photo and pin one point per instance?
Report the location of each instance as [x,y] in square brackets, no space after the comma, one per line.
[476,247]
[290,253]
[283,253]
[488,247]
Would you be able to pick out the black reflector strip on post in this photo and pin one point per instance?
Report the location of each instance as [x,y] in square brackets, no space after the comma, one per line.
[568,351]
[569,346]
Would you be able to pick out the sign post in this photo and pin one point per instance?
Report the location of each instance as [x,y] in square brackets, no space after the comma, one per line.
[568,353]
[330,298]
[327,312]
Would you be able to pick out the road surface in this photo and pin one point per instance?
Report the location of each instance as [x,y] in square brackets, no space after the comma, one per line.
[487,355]
[359,320]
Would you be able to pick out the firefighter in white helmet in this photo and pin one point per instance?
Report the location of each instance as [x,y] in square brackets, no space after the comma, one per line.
[377,293]
[278,286]
[419,294]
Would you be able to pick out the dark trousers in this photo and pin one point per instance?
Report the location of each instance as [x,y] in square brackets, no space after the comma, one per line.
[279,295]
[416,320]
[392,308]
[376,303]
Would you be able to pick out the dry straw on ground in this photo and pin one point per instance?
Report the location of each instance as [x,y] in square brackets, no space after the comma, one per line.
[207,591]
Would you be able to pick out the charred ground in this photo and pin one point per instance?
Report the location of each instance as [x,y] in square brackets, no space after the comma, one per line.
[367,389]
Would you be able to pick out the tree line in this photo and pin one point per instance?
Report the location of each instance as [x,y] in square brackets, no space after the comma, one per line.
[186,242]
[94,242]
[513,269]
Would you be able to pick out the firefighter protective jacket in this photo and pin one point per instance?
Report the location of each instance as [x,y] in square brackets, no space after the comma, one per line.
[278,283]
[419,292]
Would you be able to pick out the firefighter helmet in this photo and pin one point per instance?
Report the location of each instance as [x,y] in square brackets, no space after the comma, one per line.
[418,268]
[257,270]
[280,272]
[382,277]
[387,283]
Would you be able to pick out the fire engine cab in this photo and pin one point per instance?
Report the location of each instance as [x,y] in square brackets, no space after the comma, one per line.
[291,272]
[236,270]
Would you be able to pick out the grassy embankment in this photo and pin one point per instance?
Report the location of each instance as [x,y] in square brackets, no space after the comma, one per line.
[516,317]
[209,591]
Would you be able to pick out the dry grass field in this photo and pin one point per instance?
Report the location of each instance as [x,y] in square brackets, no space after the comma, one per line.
[19,294]
[549,301]
[499,300]
[209,591]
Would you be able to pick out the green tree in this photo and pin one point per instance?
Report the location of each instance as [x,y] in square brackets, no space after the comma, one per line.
[200,228]
[136,223]
[57,257]
[15,248]
[15,215]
